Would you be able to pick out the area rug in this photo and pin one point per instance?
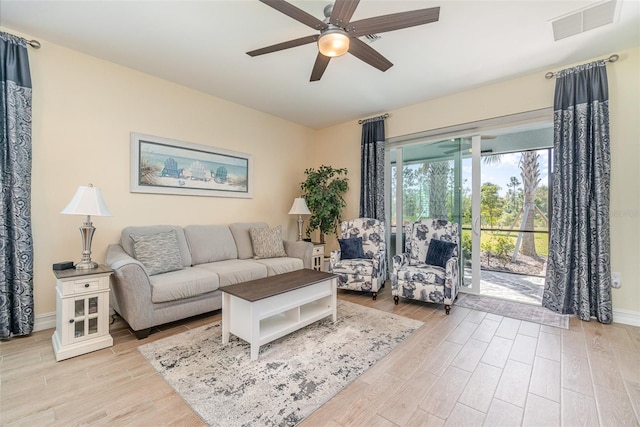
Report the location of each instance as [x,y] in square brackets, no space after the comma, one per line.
[528,312]
[293,375]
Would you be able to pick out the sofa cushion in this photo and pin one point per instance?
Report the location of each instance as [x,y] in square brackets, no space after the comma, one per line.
[235,271]
[281,265]
[210,243]
[267,242]
[177,285]
[353,266]
[422,273]
[127,243]
[240,232]
[159,253]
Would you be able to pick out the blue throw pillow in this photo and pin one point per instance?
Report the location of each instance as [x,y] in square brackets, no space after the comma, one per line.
[351,248]
[439,252]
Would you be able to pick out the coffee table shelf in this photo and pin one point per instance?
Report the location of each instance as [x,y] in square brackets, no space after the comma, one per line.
[300,299]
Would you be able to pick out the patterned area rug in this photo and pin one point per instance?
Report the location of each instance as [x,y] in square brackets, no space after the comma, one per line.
[528,312]
[293,375]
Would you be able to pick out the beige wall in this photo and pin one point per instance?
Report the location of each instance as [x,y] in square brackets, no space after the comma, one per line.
[340,146]
[83,112]
[84,109]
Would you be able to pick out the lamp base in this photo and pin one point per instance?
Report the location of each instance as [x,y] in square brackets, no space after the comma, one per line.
[86,265]
[86,231]
[300,222]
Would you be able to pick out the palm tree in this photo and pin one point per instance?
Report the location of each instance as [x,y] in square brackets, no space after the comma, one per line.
[438,176]
[513,186]
[530,173]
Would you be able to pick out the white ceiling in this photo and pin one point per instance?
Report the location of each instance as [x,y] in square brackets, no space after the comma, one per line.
[202,45]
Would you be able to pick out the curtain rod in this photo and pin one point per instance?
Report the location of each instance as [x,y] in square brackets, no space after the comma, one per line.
[383,116]
[34,44]
[612,58]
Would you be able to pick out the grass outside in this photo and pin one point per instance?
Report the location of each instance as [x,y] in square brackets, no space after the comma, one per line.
[541,239]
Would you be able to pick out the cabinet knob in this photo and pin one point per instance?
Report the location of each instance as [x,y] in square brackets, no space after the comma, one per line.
[71,320]
[86,285]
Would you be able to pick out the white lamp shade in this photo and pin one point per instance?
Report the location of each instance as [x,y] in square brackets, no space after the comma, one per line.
[87,201]
[299,207]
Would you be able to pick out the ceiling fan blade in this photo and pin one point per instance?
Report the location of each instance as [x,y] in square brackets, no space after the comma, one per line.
[295,13]
[319,67]
[342,12]
[395,21]
[284,45]
[366,53]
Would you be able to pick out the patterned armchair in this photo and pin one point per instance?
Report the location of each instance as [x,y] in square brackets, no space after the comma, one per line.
[367,272]
[413,278]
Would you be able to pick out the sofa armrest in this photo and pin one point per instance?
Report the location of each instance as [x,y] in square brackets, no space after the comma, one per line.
[131,288]
[380,264]
[451,280]
[299,249]
[334,257]
[398,261]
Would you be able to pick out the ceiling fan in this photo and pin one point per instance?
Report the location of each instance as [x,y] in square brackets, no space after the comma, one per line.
[338,35]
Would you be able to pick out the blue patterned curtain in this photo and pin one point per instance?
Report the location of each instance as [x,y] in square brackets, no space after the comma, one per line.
[578,277]
[372,169]
[16,248]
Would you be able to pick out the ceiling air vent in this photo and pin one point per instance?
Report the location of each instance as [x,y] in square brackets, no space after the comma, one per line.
[370,38]
[583,20]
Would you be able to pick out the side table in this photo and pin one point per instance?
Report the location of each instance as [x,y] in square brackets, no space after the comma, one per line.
[317,257]
[82,311]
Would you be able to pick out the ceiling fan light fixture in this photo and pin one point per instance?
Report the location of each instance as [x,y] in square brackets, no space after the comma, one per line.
[333,42]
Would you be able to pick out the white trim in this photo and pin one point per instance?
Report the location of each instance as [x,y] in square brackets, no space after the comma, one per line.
[525,120]
[626,317]
[44,321]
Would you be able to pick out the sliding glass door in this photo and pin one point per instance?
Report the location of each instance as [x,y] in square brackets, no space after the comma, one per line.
[495,186]
[425,183]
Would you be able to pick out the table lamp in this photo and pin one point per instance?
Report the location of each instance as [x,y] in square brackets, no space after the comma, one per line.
[87,201]
[299,208]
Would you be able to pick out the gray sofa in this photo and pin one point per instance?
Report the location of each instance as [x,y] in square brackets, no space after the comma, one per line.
[212,257]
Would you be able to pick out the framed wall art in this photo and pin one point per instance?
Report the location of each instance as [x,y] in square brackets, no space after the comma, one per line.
[166,166]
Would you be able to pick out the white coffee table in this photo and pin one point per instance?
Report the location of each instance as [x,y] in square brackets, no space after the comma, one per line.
[264,310]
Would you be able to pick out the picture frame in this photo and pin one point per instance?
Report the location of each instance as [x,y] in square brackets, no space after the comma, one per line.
[167,166]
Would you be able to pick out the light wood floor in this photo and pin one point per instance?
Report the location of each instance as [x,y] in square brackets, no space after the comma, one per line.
[469,368]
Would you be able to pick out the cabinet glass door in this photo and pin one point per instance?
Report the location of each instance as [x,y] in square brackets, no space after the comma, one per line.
[85,317]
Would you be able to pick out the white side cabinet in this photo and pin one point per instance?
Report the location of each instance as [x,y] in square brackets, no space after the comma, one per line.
[82,315]
[317,257]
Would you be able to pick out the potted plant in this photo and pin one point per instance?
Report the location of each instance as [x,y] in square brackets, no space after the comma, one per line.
[323,190]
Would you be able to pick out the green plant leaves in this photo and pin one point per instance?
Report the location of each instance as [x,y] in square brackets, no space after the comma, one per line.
[323,190]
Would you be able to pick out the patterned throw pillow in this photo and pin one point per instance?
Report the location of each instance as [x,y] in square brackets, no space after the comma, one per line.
[439,252]
[159,253]
[267,242]
[351,248]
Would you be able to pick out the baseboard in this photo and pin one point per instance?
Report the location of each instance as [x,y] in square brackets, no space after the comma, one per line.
[626,317]
[44,321]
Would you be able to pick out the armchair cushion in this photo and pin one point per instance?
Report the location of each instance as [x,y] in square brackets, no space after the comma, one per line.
[351,248]
[439,252]
[159,253]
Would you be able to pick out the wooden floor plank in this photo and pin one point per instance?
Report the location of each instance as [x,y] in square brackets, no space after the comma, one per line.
[545,379]
[578,410]
[541,412]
